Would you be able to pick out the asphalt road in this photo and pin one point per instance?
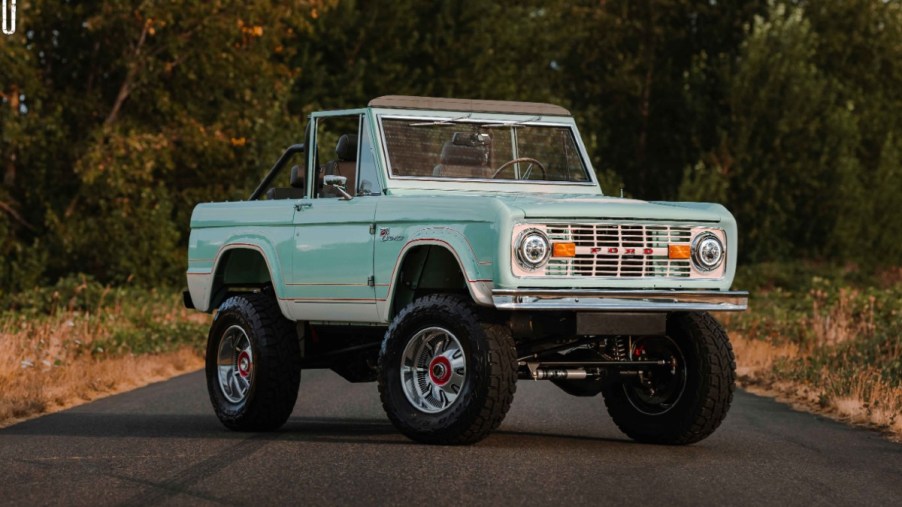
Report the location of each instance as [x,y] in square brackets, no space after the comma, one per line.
[162,445]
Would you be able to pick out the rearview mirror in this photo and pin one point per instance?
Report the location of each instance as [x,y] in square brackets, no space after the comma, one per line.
[470,139]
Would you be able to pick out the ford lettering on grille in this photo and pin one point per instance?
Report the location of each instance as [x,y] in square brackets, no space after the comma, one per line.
[612,250]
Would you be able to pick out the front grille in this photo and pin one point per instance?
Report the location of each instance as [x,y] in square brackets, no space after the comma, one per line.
[619,251]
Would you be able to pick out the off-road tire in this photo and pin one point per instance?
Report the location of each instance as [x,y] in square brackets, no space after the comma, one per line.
[276,363]
[491,372]
[706,398]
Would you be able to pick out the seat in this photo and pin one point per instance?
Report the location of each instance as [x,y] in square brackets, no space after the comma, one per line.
[462,161]
[297,177]
[296,191]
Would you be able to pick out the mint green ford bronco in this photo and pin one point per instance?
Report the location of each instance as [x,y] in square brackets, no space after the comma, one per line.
[447,248]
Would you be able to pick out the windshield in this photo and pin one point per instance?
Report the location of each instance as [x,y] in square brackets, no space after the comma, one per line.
[456,149]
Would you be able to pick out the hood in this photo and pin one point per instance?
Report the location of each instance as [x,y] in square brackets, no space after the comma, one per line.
[603,207]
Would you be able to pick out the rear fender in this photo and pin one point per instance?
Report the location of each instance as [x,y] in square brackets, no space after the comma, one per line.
[242,262]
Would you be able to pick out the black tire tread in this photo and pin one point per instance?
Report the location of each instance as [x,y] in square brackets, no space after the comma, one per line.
[502,388]
[714,393]
[480,419]
[278,372]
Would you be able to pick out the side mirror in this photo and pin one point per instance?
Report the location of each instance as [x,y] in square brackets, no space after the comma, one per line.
[338,183]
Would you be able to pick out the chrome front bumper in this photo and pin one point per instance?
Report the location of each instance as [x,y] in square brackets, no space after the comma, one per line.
[621,300]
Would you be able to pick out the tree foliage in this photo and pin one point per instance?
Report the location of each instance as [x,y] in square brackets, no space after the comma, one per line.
[120,116]
[808,157]
[117,117]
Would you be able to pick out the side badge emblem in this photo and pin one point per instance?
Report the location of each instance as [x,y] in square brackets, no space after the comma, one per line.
[385,234]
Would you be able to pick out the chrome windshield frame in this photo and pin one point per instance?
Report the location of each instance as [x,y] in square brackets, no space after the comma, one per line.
[495,122]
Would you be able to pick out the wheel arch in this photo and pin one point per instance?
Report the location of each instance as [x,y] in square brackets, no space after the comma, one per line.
[238,266]
[434,264]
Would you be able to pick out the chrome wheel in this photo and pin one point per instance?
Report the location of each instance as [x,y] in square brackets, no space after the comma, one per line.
[235,364]
[433,370]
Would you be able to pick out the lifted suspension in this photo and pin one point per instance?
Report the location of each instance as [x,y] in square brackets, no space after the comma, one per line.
[581,370]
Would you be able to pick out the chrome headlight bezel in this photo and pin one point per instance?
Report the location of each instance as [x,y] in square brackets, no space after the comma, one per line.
[529,243]
[703,245]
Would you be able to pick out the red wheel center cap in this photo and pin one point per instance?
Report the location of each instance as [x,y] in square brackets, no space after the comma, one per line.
[440,370]
[244,364]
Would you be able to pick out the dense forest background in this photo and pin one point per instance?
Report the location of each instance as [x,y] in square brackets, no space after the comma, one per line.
[117,117]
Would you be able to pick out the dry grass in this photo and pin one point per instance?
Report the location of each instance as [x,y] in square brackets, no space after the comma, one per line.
[837,357]
[36,391]
[756,356]
[69,357]
[871,401]
[842,320]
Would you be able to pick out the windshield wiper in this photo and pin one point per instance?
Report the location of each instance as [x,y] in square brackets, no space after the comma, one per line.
[520,123]
[440,122]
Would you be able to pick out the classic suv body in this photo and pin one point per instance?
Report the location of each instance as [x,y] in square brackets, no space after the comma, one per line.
[330,259]
[446,248]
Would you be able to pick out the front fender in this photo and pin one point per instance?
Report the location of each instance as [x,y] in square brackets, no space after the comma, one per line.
[474,261]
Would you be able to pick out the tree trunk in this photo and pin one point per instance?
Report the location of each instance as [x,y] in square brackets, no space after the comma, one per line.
[645,97]
[9,174]
[126,88]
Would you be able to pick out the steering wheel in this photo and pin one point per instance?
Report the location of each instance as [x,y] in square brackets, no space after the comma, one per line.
[532,163]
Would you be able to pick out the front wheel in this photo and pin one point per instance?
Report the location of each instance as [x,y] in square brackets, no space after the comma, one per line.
[252,364]
[686,400]
[445,377]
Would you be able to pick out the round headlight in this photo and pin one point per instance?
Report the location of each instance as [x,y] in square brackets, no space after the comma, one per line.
[533,249]
[707,252]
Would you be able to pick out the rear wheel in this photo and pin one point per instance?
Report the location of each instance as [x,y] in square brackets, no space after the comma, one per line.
[686,400]
[445,377]
[252,364]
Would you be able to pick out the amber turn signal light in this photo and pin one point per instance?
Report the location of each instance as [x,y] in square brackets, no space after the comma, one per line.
[563,250]
[678,251]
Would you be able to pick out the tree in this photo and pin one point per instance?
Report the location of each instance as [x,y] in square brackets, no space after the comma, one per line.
[139,110]
[624,76]
[806,157]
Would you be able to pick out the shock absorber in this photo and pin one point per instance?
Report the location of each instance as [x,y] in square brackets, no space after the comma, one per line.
[560,373]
